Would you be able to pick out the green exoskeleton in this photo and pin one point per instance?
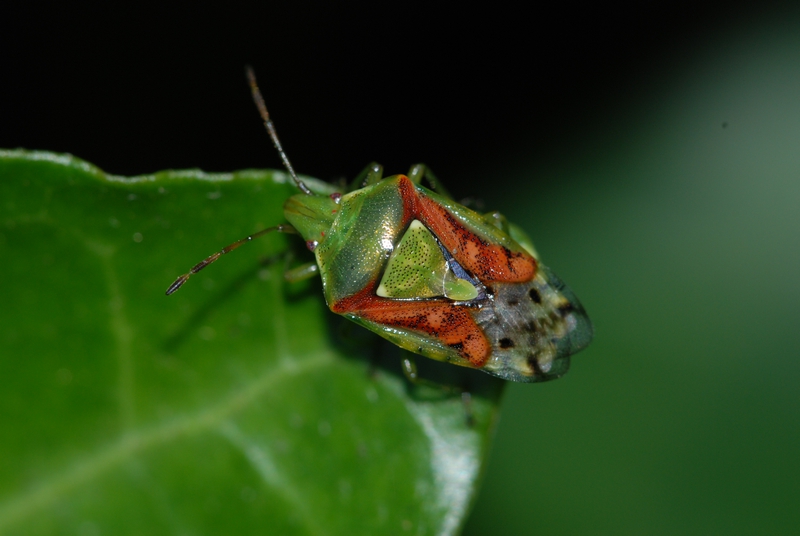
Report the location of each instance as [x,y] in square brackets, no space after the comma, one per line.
[431,275]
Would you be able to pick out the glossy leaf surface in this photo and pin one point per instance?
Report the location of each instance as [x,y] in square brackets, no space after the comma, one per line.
[234,406]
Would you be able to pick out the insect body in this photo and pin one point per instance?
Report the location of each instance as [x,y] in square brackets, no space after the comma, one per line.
[433,276]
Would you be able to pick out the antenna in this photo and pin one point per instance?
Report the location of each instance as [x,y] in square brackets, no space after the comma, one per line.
[262,109]
[283,228]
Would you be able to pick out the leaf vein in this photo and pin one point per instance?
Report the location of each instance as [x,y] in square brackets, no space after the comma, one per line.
[135,442]
[263,464]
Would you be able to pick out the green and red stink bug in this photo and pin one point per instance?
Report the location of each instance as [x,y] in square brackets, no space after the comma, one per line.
[431,275]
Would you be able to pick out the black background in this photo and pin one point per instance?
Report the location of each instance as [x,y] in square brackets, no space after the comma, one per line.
[136,88]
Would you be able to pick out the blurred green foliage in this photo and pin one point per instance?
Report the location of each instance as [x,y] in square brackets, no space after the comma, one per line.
[677,222]
[230,407]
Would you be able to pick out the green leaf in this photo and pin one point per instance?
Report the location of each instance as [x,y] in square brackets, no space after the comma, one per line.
[233,406]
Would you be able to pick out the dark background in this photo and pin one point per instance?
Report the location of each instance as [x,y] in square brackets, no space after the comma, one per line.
[650,150]
[135,88]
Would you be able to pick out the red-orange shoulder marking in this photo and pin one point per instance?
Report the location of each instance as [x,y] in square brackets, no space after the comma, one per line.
[488,262]
[441,319]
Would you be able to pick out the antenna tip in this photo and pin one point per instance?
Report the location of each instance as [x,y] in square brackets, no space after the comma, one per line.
[177,284]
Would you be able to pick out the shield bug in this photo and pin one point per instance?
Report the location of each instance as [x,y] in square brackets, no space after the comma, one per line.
[429,274]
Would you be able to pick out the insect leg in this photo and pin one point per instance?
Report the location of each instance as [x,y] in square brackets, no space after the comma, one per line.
[466,401]
[283,228]
[410,371]
[370,175]
[497,219]
[299,273]
[421,171]
[514,231]
[409,365]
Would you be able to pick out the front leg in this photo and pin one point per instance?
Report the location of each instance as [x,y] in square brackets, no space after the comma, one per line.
[370,175]
[514,231]
[302,272]
[420,171]
[410,371]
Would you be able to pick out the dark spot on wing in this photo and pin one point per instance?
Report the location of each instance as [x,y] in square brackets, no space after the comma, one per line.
[566,308]
[534,364]
[535,296]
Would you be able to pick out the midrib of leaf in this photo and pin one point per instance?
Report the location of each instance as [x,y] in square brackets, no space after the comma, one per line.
[454,469]
[136,442]
[266,469]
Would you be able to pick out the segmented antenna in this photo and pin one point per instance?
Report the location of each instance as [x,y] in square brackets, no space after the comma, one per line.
[262,109]
[284,228]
